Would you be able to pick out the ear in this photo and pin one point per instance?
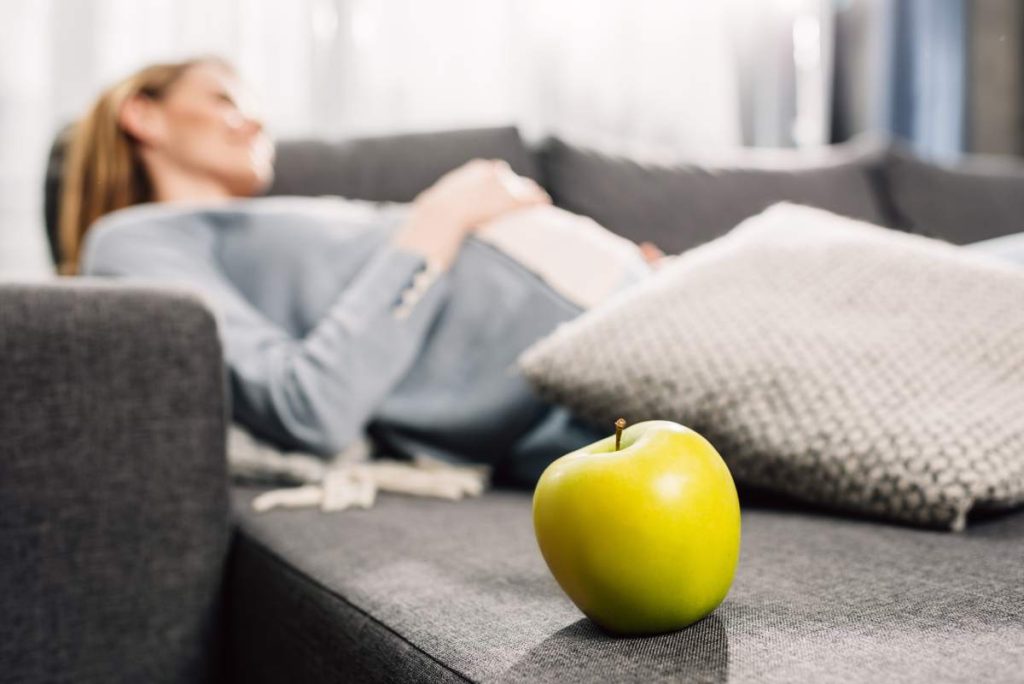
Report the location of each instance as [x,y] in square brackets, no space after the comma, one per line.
[143,119]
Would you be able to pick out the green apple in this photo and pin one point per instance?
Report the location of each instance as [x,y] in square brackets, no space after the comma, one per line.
[643,535]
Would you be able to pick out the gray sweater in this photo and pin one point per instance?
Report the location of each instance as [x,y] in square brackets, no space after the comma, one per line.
[330,331]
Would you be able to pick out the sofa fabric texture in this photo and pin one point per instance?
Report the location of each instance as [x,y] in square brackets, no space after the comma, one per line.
[392,168]
[825,358]
[678,207]
[114,528]
[422,590]
[975,199]
[112,477]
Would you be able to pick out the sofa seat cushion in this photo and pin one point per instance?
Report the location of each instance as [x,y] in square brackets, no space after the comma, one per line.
[426,589]
[681,206]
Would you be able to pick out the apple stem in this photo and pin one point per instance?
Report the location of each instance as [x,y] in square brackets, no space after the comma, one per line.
[619,425]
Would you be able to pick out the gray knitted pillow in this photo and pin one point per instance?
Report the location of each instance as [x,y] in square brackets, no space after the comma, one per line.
[828,359]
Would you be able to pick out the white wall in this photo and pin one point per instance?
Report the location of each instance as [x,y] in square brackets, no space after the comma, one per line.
[655,80]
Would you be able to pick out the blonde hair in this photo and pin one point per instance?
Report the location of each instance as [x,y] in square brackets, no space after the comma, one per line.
[103,170]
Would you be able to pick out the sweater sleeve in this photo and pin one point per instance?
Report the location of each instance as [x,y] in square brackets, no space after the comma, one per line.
[317,393]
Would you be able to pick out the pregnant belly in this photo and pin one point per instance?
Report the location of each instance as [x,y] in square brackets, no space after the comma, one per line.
[573,254]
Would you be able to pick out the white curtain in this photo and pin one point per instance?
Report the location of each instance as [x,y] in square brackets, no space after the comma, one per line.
[656,80]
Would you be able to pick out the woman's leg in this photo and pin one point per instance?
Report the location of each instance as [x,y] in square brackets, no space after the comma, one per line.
[559,433]
[1008,247]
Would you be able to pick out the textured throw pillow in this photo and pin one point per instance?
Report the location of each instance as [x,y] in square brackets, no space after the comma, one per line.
[828,359]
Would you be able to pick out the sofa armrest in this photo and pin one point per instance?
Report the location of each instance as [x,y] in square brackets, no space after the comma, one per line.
[113,484]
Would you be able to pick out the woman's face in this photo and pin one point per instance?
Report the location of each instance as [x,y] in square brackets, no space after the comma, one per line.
[209,129]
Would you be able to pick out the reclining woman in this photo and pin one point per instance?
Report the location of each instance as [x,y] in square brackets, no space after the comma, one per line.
[340,318]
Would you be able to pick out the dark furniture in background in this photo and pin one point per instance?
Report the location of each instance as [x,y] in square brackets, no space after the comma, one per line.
[114,562]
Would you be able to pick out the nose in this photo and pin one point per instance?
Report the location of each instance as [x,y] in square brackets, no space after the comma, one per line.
[251,125]
[244,123]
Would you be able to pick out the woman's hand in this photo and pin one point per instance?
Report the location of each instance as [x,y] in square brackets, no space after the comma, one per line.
[460,202]
[481,190]
[654,256]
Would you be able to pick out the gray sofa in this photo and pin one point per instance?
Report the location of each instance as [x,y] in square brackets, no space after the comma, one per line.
[125,555]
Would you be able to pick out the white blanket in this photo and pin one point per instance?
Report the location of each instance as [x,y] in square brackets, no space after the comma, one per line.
[351,479]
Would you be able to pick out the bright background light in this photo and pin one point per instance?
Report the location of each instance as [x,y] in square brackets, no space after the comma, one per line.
[657,80]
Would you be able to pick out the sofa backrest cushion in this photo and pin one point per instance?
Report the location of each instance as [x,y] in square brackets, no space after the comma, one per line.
[976,199]
[391,168]
[51,189]
[678,207]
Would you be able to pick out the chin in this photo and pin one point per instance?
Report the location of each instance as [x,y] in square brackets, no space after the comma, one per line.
[251,184]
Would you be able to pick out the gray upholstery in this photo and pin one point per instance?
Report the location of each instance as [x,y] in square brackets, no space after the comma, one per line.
[418,589]
[681,206]
[113,528]
[112,485]
[392,168]
[976,199]
[51,190]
